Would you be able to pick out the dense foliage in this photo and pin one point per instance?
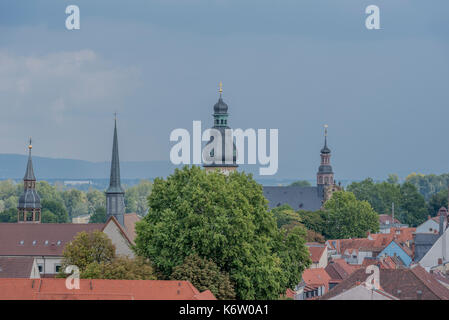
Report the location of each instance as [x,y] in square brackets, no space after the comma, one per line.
[347,217]
[94,254]
[204,274]
[410,205]
[224,219]
[61,204]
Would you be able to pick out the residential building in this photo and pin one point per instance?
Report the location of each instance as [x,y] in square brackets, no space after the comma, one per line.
[363,292]
[413,283]
[394,249]
[318,255]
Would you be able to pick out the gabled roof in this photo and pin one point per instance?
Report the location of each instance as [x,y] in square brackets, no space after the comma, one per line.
[404,283]
[16,267]
[130,220]
[55,289]
[316,277]
[316,252]
[299,198]
[39,239]
[387,219]
[339,269]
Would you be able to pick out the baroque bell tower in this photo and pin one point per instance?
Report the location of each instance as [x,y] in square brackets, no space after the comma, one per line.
[325,176]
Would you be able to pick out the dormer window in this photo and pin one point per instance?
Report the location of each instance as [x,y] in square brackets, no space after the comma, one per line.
[46,242]
[21,242]
[58,242]
[34,242]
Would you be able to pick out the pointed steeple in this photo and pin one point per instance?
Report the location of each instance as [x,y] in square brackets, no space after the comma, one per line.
[29,207]
[115,195]
[29,173]
[114,182]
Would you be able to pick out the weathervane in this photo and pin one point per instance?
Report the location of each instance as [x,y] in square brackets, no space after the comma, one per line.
[220,87]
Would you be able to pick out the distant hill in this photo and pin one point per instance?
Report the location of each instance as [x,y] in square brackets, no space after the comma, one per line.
[12,166]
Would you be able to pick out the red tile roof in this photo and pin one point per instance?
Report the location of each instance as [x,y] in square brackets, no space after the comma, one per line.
[339,269]
[55,289]
[316,277]
[57,235]
[384,218]
[289,293]
[16,267]
[316,252]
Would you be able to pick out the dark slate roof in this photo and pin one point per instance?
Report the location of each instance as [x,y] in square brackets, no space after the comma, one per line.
[114,182]
[304,198]
[17,239]
[30,199]
[221,107]
[403,283]
[325,148]
[29,174]
[423,243]
[16,267]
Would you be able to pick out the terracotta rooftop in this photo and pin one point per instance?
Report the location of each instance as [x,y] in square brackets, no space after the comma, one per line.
[316,277]
[384,218]
[55,289]
[316,251]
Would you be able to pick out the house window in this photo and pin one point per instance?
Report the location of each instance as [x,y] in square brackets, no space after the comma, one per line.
[57,268]
[34,242]
[40,267]
[58,243]
[46,242]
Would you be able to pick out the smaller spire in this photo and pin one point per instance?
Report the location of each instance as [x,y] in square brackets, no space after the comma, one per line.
[220,86]
[325,148]
[29,174]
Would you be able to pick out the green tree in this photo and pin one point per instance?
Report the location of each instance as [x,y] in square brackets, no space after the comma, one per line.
[204,274]
[413,208]
[9,215]
[347,217]
[76,202]
[87,248]
[136,197]
[285,215]
[437,201]
[95,200]
[120,268]
[48,217]
[301,183]
[219,217]
[379,195]
[48,192]
[313,220]
[57,208]
[99,216]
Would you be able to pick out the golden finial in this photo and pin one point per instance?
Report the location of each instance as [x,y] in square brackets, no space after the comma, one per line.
[221,87]
[30,146]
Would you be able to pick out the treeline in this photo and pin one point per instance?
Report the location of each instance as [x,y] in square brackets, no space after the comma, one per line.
[418,197]
[60,204]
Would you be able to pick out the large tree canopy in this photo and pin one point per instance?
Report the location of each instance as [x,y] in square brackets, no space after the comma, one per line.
[347,217]
[225,219]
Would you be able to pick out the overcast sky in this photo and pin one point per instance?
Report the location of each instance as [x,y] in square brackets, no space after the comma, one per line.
[291,65]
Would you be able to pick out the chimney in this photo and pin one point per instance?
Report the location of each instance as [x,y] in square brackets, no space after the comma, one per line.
[442,214]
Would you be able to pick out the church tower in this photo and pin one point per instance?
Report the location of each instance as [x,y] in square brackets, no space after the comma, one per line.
[325,176]
[115,195]
[227,163]
[29,208]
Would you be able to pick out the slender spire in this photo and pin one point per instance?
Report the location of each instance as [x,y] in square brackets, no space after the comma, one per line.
[29,174]
[114,182]
[220,85]
[325,148]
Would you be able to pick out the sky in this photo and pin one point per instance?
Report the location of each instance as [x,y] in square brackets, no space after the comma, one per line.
[288,65]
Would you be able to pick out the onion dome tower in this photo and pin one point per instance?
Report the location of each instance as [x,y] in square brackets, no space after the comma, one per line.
[29,208]
[115,194]
[227,163]
[325,176]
